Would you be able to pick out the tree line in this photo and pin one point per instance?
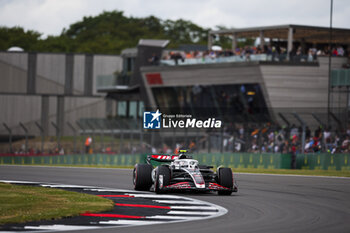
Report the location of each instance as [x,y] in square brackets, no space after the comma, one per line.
[109,33]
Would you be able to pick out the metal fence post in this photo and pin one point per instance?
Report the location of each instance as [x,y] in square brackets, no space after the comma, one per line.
[152,140]
[102,141]
[260,137]
[74,136]
[42,136]
[102,135]
[57,134]
[121,141]
[10,136]
[82,141]
[234,143]
[221,140]
[111,127]
[197,141]
[284,119]
[323,144]
[141,135]
[209,143]
[174,139]
[131,136]
[303,125]
[26,135]
[93,135]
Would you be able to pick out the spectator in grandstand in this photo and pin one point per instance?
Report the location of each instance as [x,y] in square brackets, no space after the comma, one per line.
[294,149]
[61,151]
[294,131]
[340,51]
[176,57]
[154,60]
[334,52]
[318,132]
[247,53]
[320,52]
[346,144]
[88,142]
[327,139]
[307,132]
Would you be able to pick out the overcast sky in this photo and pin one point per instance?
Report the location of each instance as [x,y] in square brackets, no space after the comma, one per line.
[51,16]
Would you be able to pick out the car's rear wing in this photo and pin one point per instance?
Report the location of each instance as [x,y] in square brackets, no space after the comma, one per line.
[161,158]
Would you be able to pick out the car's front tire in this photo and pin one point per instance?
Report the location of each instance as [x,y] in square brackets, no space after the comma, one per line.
[225,179]
[142,177]
[164,172]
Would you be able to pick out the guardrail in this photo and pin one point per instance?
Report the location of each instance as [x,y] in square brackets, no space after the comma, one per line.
[320,161]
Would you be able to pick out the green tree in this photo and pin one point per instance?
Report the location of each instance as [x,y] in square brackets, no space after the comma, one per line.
[17,36]
[106,33]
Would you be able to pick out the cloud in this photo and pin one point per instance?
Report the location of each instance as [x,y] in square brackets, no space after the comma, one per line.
[50,16]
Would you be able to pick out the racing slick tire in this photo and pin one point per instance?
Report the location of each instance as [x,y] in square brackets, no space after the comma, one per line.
[163,171]
[225,179]
[142,177]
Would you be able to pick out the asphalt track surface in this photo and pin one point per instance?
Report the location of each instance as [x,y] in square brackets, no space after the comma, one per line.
[264,203]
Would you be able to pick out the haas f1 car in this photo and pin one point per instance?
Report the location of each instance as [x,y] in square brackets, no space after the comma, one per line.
[181,172]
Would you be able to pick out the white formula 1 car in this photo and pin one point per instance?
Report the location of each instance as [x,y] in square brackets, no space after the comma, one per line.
[181,172]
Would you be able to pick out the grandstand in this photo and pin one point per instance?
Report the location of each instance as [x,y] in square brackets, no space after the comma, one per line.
[283,81]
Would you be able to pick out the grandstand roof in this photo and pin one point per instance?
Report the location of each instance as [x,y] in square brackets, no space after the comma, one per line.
[311,34]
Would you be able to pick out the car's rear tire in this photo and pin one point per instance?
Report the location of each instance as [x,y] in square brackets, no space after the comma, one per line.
[225,179]
[142,178]
[165,172]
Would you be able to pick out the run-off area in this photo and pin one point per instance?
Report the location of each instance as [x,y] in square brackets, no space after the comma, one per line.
[131,208]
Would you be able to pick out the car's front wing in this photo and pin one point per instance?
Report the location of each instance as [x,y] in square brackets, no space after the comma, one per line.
[191,186]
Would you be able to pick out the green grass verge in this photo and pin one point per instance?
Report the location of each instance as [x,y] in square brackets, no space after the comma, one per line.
[19,203]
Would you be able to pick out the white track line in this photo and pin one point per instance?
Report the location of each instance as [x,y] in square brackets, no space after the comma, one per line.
[169,217]
[291,175]
[19,182]
[129,222]
[177,202]
[155,196]
[190,212]
[65,186]
[113,190]
[59,227]
[193,208]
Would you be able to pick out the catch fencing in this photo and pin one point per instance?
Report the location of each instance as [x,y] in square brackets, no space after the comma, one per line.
[320,161]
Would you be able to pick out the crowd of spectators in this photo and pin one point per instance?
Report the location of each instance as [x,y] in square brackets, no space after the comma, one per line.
[268,138]
[273,52]
[276,139]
